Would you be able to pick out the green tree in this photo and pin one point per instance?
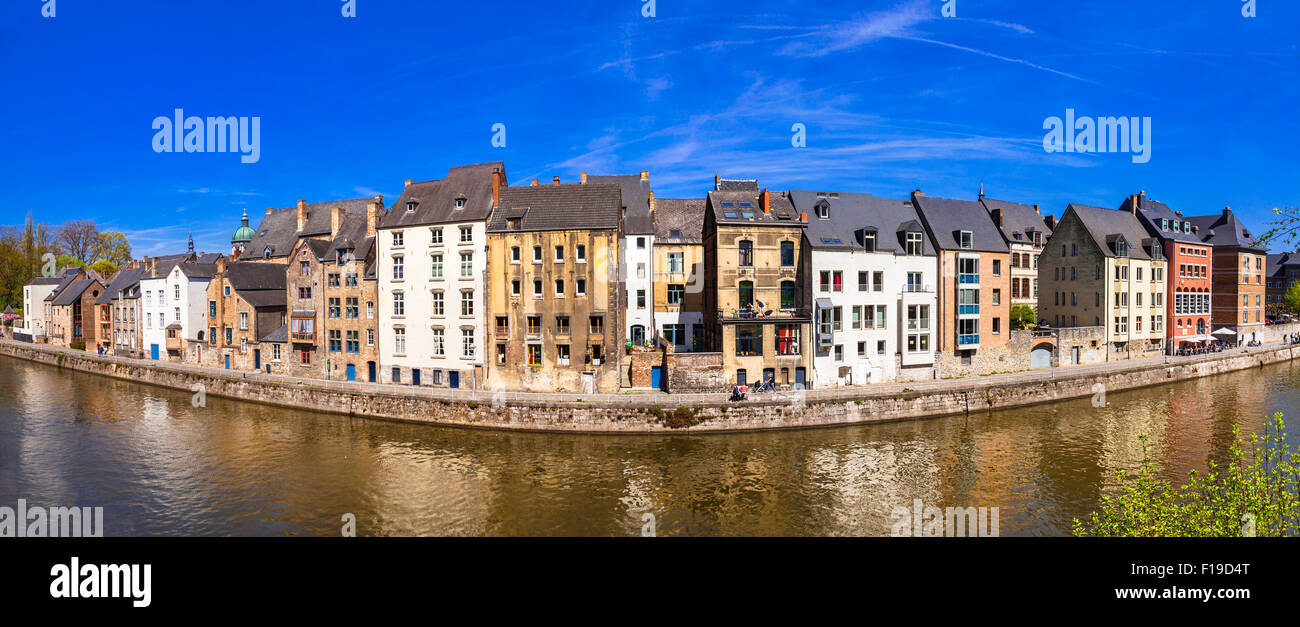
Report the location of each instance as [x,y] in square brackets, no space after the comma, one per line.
[1254,492]
[114,247]
[68,261]
[104,268]
[1292,297]
[1283,232]
[1023,317]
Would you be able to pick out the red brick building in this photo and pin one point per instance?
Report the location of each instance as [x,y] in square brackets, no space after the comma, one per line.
[1188,292]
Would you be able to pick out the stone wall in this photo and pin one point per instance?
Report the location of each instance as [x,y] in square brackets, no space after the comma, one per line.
[640,367]
[1091,342]
[1013,357]
[696,372]
[614,413]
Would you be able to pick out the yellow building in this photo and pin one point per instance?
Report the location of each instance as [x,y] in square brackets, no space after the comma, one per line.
[679,272]
[554,319]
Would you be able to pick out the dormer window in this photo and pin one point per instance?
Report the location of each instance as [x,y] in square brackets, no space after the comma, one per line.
[1121,248]
[914,245]
[1164,224]
[460,203]
[824,210]
[410,206]
[869,240]
[965,240]
[675,233]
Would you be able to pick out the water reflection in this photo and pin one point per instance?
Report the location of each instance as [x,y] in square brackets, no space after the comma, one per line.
[160,466]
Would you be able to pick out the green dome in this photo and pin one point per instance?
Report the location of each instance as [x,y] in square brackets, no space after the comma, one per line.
[244,233]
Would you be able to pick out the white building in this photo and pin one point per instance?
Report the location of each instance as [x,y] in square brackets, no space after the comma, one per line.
[873,275]
[34,303]
[186,291]
[431,267]
[159,307]
[638,267]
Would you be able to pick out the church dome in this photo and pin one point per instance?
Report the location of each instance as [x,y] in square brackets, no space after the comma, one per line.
[243,233]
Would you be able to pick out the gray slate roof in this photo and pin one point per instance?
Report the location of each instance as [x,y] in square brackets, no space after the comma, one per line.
[852,214]
[1152,211]
[746,207]
[279,229]
[1275,265]
[73,292]
[1103,224]
[636,199]
[278,336]
[256,276]
[559,207]
[64,280]
[198,270]
[945,217]
[1018,220]
[679,220]
[163,264]
[436,200]
[735,185]
[121,281]
[46,280]
[1225,229]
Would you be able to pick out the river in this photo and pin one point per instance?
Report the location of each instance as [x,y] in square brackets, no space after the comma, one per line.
[160,466]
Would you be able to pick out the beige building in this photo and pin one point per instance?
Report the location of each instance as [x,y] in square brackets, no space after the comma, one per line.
[1101,269]
[246,308]
[679,272]
[756,305]
[1025,232]
[554,299]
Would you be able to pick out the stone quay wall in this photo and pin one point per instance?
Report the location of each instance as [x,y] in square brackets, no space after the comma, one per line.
[655,413]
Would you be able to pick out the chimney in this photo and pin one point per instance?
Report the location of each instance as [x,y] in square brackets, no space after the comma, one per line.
[1133,204]
[408,183]
[803,217]
[763,199]
[583,178]
[221,264]
[652,201]
[1227,211]
[645,175]
[498,181]
[1050,221]
[997,217]
[534,182]
[302,214]
[981,191]
[373,210]
[1038,210]
[555,180]
[270,210]
[916,193]
[717,181]
[336,220]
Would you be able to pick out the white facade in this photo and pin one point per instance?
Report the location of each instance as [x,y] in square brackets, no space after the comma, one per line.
[881,314]
[34,309]
[188,298]
[156,312]
[638,259]
[432,307]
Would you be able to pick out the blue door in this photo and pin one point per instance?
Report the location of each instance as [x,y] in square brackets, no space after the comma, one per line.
[371,364]
[153,350]
[657,377]
[415,376]
[453,379]
[257,359]
[352,372]
[227,362]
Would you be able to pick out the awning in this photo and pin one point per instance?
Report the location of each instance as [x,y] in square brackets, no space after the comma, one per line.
[1225,331]
[824,303]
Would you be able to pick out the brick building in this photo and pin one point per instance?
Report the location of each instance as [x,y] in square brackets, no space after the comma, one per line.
[1238,279]
[1191,266]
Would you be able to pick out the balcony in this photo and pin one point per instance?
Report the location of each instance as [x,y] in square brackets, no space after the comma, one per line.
[968,341]
[968,279]
[968,310]
[916,288]
[750,314]
[303,337]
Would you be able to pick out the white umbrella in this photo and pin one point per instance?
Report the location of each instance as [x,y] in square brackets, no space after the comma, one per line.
[1225,331]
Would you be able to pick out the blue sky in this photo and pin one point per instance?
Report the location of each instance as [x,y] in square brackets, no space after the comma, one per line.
[893,95]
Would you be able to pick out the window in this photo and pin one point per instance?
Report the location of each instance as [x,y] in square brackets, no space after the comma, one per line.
[787,339]
[438,304]
[275,352]
[534,354]
[676,264]
[304,293]
[877,281]
[212,309]
[333,280]
[243,321]
[439,344]
[597,325]
[436,267]
[580,287]
[749,340]
[399,239]
[370,310]
[559,288]
[914,245]
[537,254]
[787,254]
[467,264]
[353,308]
[676,293]
[581,253]
[399,304]
[501,354]
[514,288]
[559,254]
[640,242]
[335,341]
[466,233]
[869,240]
[514,254]
[997,297]
[335,309]
[399,341]
[230,336]
[537,288]
[467,303]
[561,354]
[839,352]
[789,294]
[674,334]
[561,325]
[467,343]
[746,293]
[176,292]
[370,337]
[397,375]
[965,239]
[399,270]
[997,267]
[435,236]
[746,253]
[212,335]
[640,299]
